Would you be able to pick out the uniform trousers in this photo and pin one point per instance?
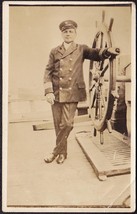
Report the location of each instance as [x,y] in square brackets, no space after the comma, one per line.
[63,117]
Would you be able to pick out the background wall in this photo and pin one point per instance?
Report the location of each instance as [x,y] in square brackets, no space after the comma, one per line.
[33,32]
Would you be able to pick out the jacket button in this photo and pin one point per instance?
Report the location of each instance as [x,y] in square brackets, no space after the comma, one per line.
[60,69]
[70,59]
[70,78]
[70,69]
[70,88]
[60,88]
[60,78]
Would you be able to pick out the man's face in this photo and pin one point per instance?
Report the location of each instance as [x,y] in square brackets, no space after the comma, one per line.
[69,35]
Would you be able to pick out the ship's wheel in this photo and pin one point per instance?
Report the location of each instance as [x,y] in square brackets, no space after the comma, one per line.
[102,81]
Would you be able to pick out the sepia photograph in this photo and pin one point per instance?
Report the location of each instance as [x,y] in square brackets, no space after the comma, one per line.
[68,109]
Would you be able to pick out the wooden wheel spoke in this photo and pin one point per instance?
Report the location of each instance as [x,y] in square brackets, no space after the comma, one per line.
[93,99]
[104,70]
[101,42]
[102,64]
[92,86]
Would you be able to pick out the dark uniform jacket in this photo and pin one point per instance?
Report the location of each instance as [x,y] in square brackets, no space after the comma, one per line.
[64,72]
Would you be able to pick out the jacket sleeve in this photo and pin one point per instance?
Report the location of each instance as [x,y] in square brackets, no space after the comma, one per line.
[95,54]
[48,74]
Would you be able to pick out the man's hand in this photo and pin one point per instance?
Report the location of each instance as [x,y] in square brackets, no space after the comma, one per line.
[50,98]
[113,51]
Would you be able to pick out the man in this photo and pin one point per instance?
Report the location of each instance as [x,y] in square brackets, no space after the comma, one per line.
[64,84]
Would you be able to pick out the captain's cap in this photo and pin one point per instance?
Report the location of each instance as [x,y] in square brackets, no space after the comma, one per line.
[67,24]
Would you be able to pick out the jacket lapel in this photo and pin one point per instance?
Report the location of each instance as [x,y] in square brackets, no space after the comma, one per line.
[61,49]
[71,49]
[64,52]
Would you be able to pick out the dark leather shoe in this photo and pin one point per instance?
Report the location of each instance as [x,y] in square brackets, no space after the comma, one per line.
[50,158]
[61,158]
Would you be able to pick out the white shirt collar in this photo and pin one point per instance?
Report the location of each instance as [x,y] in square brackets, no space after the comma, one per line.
[67,45]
